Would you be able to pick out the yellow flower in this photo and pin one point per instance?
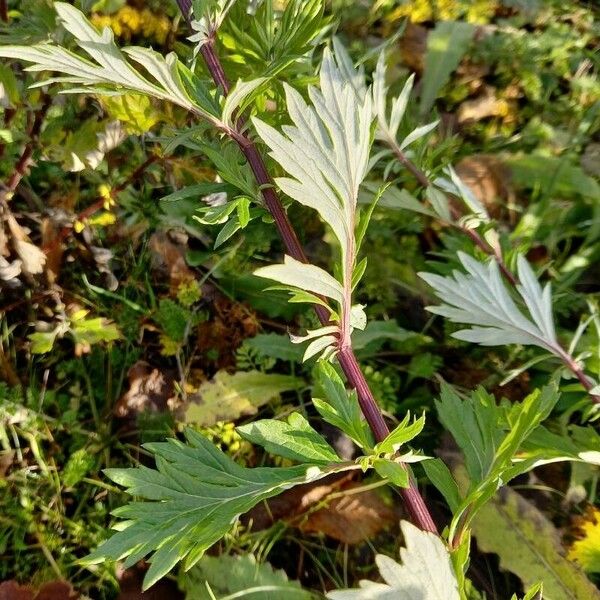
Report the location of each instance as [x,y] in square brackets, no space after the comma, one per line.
[586,549]
[447,10]
[103,219]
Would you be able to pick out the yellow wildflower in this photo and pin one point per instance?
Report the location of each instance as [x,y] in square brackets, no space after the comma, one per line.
[586,549]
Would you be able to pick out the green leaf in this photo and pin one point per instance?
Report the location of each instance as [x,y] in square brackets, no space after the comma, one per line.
[481,299]
[227,575]
[552,175]
[326,151]
[109,68]
[227,397]
[192,191]
[397,199]
[304,277]
[80,463]
[94,331]
[365,217]
[9,87]
[173,319]
[340,407]
[402,433]
[274,345]
[189,502]
[529,546]
[295,440]
[43,341]
[135,111]
[394,472]
[446,45]
[238,99]
[439,474]
[377,332]
[488,441]
[426,572]
[229,229]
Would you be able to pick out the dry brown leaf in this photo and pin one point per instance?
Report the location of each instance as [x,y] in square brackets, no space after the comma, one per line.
[130,584]
[32,258]
[413,47]
[490,180]
[53,590]
[349,517]
[169,258]
[484,106]
[149,390]
[231,324]
[55,250]
[293,502]
[352,517]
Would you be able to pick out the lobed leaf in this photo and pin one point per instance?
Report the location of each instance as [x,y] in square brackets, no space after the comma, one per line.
[190,501]
[480,299]
[426,572]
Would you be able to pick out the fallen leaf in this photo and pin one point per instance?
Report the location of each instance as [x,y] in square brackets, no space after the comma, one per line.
[227,397]
[413,46]
[293,502]
[9,270]
[490,180]
[130,586]
[6,461]
[352,517]
[170,258]
[349,517]
[150,389]
[483,106]
[53,590]
[230,325]
[55,249]
[32,258]
[529,545]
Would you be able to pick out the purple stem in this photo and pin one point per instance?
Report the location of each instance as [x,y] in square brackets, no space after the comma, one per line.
[411,496]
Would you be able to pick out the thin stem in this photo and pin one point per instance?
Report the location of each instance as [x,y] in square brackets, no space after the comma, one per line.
[25,159]
[572,365]
[414,502]
[422,178]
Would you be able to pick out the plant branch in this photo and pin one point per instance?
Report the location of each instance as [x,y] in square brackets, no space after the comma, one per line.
[487,248]
[25,158]
[414,501]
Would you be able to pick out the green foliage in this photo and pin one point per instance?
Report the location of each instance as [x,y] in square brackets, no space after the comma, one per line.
[111,66]
[482,300]
[341,148]
[192,499]
[225,575]
[446,45]
[339,407]
[488,442]
[294,439]
[274,38]
[529,545]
